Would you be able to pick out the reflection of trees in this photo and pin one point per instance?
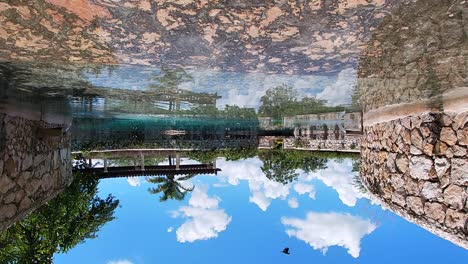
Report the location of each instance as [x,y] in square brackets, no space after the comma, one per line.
[228,153]
[170,78]
[230,112]
[73,216]
[357,181]
[170,187]
[282,101]
[281,165]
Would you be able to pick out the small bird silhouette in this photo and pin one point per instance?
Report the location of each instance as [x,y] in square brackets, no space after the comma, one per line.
[286,251]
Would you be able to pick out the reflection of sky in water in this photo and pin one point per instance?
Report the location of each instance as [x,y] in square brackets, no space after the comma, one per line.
[242,216]
[242,89]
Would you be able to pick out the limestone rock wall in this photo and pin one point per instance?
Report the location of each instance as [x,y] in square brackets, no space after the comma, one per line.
[418,52]
[418,167]
[347,143]
[33,169]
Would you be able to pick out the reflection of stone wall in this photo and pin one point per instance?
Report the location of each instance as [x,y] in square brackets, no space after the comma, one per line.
[417,52]
[267,36]
[418,166]
[32,170]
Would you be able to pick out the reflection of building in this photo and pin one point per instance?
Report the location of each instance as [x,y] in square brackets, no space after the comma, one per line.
[158,132]
[345,121]
[336,131]
[140,168]
[141,101]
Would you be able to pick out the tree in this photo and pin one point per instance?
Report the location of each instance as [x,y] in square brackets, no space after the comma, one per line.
[277,101]
[72,217]
[170,187]
[170,78]
[281,165]
[282,101]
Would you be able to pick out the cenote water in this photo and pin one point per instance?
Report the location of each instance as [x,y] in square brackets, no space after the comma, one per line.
[324,131]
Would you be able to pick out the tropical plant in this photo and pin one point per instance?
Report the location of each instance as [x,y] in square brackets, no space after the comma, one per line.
[170,187]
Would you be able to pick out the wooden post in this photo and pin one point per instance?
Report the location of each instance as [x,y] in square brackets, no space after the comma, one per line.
[105,165]
[177,161]
[142,158]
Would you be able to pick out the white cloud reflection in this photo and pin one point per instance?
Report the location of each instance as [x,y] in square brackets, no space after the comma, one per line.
[341,91]
[204,219]
[323,230]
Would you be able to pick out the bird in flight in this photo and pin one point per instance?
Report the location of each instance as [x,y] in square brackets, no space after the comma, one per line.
[286,251]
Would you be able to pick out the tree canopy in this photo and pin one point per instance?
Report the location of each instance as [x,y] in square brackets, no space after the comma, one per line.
[282,101]
[281,165]
[72,217]
[170,78]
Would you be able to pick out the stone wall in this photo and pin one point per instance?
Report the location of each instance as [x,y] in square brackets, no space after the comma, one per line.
[34,167]
[418,167]
[350,143]
[416,53]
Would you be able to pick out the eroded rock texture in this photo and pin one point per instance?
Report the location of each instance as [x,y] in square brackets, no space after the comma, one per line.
[34,167]
[294,36]
[418,52]
[418,167]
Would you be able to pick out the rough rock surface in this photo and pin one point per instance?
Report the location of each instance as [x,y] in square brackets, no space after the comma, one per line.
[416,53]
[293,37]
[29,175]
[427,188]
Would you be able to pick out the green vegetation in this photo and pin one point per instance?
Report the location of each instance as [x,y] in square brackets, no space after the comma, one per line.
[229,154]
[357,181]
[281,165]
[169,78]
[73,216]
[231,112]
[170,187]
[283,101]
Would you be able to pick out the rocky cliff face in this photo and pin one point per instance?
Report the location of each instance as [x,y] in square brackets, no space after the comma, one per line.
[293,37]
[32,169]
[419,51]
[418,167]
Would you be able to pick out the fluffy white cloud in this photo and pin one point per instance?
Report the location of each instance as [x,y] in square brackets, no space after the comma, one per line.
[339,176]
[120,261]
[341,91]
[263,190]
[170,229]
[134,181]
[201,199]
[204,219]
[323,230]
[293,203]
[260,200]
[303,188]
